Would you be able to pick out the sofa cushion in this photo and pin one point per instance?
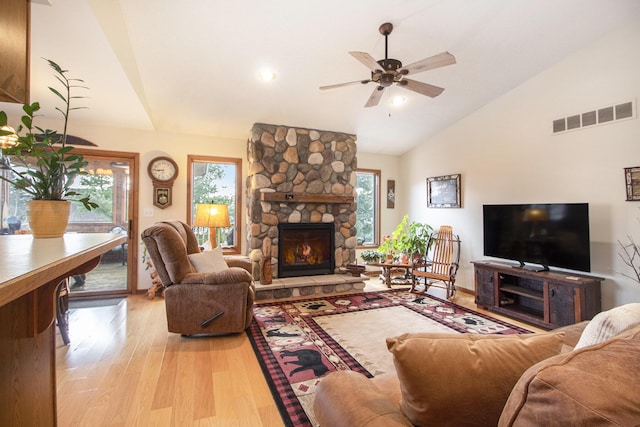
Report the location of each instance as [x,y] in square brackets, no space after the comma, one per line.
[450,379]
[209,261]
[608,324]
[593,386]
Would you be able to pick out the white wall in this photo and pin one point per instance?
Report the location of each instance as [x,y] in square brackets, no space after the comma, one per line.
[390,168]
[507,153]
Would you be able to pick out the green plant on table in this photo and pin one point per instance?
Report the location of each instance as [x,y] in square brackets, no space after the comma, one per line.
[40,161]
[409,237]
[370,255]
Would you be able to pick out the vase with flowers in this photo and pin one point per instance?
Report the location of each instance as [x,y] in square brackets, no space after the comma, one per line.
[40,163]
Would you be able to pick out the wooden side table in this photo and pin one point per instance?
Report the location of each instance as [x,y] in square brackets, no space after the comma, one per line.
[388,268]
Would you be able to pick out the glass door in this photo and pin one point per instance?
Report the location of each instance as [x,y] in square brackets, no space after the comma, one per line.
[110,181]
[111,185]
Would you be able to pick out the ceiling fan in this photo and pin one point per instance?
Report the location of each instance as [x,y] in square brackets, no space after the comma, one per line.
[387,71]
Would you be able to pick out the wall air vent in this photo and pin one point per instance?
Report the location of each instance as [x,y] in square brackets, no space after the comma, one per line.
[598,116]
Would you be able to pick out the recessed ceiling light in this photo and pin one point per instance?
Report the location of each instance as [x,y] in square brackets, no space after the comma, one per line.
[398,100]
[267,74]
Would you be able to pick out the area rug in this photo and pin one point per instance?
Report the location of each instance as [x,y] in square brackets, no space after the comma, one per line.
[299,342]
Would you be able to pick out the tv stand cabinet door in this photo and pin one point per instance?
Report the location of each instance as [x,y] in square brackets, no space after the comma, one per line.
[485,287]
[562,309]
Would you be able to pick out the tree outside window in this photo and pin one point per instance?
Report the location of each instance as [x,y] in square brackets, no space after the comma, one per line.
[368,207]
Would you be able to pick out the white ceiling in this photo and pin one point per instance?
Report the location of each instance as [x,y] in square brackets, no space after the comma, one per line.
[191,66]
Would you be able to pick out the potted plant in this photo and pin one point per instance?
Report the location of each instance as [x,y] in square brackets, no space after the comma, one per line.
[409,238]
[41,163]
[417,238]
[370,256]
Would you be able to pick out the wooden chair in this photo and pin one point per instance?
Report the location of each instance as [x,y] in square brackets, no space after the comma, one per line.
[440,263]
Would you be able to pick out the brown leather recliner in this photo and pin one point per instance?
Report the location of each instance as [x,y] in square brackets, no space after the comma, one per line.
[198,303]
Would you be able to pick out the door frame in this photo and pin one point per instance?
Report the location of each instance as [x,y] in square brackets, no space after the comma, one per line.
[132,232]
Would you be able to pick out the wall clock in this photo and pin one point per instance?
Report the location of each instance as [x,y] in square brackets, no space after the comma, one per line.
[163,171]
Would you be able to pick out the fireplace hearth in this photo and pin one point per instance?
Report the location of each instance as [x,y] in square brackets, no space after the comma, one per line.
[305,249]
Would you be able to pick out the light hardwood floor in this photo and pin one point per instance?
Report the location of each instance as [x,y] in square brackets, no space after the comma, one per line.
[123,368]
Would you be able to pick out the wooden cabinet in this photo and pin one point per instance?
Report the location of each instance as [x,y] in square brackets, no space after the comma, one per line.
[546,299]
[30,271]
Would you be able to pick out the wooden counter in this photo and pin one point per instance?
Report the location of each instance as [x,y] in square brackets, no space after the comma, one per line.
[30,271]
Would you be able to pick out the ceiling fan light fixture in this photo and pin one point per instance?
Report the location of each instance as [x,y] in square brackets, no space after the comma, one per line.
[388,71]
[398,100]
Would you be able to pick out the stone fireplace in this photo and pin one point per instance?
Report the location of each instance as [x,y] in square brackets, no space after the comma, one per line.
[299,176]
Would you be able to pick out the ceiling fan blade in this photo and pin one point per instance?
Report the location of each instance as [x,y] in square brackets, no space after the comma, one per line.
[421,88]
[344,84]
[375,97]
[367,60]
[435,61]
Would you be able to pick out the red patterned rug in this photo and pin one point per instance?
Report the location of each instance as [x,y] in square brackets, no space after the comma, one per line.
[299,342]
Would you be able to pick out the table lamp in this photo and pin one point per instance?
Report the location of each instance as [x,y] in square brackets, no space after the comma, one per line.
[212,216]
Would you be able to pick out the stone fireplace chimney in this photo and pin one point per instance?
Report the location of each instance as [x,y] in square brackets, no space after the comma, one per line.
[300,175]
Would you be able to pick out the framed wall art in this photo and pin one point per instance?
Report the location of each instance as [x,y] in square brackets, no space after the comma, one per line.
[632,180]
[443,191]
[391,193]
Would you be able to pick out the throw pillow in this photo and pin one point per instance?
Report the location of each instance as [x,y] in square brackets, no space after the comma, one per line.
[608,324]
[208,262]
[594,386]
[455,379]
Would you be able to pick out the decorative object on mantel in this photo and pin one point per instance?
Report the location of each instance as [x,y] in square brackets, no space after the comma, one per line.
[632,180]
[272,196]
[43,165]
[444,191]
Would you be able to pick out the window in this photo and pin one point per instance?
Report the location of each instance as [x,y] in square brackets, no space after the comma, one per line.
[216,180]
[368,212]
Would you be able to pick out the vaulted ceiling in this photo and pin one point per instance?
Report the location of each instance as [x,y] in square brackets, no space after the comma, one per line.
[191,66]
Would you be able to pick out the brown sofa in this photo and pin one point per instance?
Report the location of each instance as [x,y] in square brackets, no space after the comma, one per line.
[594,385]
[219,301]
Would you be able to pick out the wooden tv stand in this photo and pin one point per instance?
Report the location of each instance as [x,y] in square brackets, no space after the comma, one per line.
[548,299]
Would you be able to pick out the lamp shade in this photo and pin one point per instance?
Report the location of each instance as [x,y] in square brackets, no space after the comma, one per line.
[9,140]
[211,215]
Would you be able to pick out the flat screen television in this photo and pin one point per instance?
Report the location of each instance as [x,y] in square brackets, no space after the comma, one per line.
[552,234]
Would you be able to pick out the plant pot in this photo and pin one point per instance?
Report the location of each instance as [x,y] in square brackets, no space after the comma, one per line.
[48,218]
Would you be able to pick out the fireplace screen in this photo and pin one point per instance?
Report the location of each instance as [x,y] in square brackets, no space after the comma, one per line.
[305,249]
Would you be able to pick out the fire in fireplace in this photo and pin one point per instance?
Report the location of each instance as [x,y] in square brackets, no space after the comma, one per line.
[305,249]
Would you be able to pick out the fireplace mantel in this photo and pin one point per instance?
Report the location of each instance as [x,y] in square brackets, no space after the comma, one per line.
[304,198]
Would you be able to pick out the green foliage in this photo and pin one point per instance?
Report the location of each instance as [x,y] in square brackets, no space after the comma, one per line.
[370,255]
[41,162]
[408,238]
[365,215]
